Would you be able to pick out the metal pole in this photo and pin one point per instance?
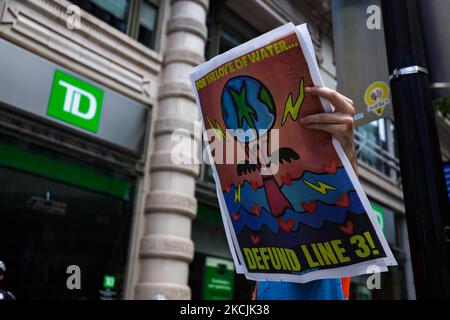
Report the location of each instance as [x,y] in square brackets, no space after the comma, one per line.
[423,182]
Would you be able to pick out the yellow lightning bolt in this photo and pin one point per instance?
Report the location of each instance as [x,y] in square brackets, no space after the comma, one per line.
[322,187]
[294,110]
[237,194]
[218,132]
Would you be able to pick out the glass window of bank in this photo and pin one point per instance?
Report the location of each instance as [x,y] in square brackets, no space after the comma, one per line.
[58,211]
[137,18]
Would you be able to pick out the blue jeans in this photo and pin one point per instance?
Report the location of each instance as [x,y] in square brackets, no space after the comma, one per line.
[327,289]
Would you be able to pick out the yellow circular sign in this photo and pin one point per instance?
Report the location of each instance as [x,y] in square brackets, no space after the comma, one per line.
[376,97]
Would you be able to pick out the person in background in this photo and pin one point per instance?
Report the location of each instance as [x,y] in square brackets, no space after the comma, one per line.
[4,295]
[339,124]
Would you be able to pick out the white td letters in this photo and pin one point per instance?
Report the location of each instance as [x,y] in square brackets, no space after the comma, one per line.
[73,100]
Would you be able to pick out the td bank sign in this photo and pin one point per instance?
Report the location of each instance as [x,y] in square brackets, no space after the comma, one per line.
[75,101]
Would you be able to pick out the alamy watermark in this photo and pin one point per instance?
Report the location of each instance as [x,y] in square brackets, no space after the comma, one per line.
[250,149]
[73,281]
[374,280]
[373,22]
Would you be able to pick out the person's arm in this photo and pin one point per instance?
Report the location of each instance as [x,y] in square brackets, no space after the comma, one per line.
[339,123]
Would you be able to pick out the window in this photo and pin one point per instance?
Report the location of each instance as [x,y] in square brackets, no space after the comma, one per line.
[148,17]
[226,29]
[375,145]
[137,18]
[113,12]
[54,213]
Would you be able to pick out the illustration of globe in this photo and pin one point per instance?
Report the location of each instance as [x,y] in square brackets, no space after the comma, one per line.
[247,104]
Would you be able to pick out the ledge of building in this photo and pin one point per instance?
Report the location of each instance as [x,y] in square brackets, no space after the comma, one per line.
[95,50]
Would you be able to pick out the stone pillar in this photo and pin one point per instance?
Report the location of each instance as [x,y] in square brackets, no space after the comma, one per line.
[165,247]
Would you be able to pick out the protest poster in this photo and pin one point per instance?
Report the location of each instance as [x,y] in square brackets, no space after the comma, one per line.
[291,204]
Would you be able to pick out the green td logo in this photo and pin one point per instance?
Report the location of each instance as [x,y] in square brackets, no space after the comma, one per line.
[109,282]
[75,101]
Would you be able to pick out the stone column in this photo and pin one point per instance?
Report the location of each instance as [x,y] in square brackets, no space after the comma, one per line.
[166,248]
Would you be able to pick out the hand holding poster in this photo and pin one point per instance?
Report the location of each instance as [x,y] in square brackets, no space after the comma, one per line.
[291,204]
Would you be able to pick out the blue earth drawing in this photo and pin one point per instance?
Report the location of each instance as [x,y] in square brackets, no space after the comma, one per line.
[249,109]
[247,104]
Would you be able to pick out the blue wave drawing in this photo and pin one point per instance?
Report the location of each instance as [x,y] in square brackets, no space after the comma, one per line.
[314,220]
[297,193]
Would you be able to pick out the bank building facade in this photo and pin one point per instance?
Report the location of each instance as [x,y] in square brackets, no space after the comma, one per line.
[91,92]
